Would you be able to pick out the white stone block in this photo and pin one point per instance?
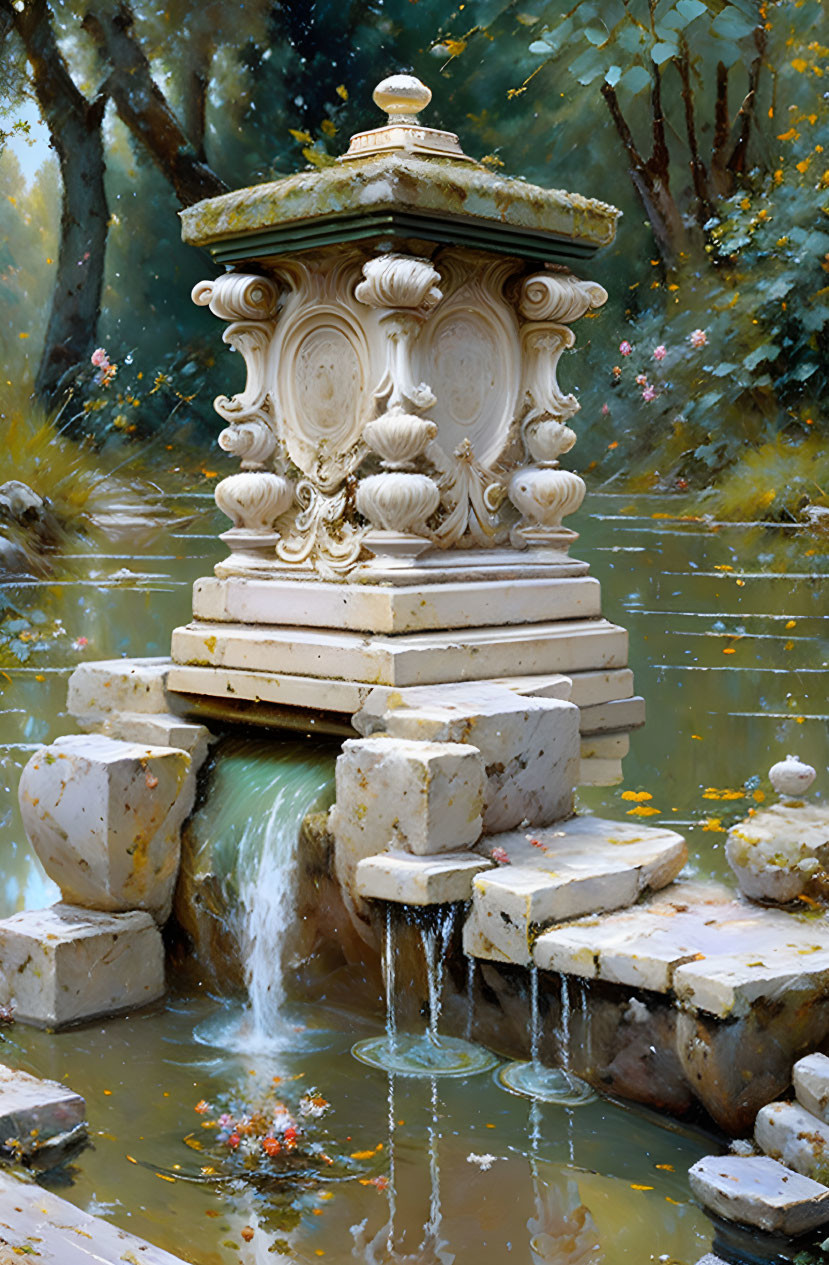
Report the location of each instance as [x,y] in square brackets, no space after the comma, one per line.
[578,867]
[759,1192]
[104,818]
[529,745]
[65,964]
[613,746]
[419,880]
[120,685]
[46,1230]
[425,658]
[32,1110]
[779,851]
[789,1133]
[600,772]
[810,1077]
[617,714]
[418,797]
[158,730]
[589,689]
[379,608]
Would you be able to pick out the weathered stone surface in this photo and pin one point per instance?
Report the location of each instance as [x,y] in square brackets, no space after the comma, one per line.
[759,1192]
[810,1077]
[530,746]
[392,608]
[788,1132]
[718,954]
[104,818]
[32,1110]
[424,658]
[37,1225]
[618,714]
[156,729]
[419,797]
[419,880]
[582,865]
[780,852]
[120,685]
[600,772]
[64,964]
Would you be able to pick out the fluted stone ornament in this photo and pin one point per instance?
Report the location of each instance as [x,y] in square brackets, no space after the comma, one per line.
[397,505]
[253,501]
[544,496]
[402,97]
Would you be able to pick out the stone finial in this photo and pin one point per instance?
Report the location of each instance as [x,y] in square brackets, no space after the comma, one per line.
[402,97]
[791,776]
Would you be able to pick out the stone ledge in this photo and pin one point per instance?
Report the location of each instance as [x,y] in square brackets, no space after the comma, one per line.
[33,1111]
[757,1191]
[424,880]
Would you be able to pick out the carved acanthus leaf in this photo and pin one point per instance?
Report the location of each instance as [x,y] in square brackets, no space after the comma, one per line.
[473,495]
[399,281]
[253,442]
[558,296]
[322,531]
[542,345]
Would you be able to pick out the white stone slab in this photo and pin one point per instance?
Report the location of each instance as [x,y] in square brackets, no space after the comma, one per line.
[777,852]
[789,1133]
[476,943]
[549,685]
[120,685]
[810,1077]
[717,953]
[598,772]
[32,1110]
[621,714]
[417,797]
[560,872]
[306,693]
[410,659]
[40,1227]
[64,964]
[757,1191]
[529,745]
[104,818]
[419,880]
[384,609]
[614,746]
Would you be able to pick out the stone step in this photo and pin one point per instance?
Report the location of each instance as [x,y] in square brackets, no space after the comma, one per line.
[716,952]
[33,1111]
[759,1192]
[419,880]
[377,608]
[789,1133]
[559,872]
[430,658]
[37,1225]
[810,1077]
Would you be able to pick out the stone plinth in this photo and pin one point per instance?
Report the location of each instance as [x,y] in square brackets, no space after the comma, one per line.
[63,965]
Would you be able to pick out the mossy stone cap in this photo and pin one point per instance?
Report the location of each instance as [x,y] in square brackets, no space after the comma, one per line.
[400,180]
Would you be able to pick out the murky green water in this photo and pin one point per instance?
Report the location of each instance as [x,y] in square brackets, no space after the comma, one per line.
[689,592]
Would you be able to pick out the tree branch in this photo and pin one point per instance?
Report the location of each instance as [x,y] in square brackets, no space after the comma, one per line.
[745,117]
[142,106]
[699,176]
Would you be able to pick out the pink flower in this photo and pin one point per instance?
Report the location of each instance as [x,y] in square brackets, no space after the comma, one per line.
[605,410]
[99,358]
[660,352]
[499,855]
[649,394]
[80,643]
[625,348]
[698,338]
[641,379]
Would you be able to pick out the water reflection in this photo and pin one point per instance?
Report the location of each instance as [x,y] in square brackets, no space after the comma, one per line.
[558,1237]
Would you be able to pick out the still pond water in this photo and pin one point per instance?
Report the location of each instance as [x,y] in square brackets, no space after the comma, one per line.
[726,643]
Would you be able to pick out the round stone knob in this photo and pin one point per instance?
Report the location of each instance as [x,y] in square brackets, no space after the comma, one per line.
[791,776]
[402,97]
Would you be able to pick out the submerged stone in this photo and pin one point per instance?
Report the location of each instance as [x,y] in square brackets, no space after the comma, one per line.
[34,1111]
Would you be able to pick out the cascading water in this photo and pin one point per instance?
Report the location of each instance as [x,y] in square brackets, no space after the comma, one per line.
[532,1079]
[427,1053]
[248,826]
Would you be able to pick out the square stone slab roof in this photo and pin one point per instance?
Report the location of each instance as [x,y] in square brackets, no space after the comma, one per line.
[400,181]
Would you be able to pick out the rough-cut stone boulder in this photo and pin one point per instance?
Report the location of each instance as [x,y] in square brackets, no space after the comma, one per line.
[759,1192]
[810,1077]
[530,746]
[104,817]
[788,1132]
[781,853]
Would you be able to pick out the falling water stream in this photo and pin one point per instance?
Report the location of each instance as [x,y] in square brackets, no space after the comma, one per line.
[533,1079]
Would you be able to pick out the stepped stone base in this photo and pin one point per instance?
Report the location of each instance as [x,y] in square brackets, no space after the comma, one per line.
[64,964]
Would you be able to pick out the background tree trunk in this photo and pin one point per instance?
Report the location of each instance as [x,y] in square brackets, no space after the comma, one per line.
[75,131]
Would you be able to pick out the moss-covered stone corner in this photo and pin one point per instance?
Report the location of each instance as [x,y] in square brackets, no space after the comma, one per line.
[435,186]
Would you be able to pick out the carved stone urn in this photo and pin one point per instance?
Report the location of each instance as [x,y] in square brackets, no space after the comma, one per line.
[399,518]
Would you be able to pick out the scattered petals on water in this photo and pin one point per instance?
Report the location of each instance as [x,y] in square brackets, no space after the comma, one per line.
[484,1162]
[247,1233]
[636,1186]
[643,810]
[80,643]
[637,797]
[714,825]
[202,1106]
[500,855]
[381,1183]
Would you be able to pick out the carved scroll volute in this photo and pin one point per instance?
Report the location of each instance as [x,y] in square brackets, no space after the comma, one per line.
[542,493]
[256,498]
[399,501]
[250,303]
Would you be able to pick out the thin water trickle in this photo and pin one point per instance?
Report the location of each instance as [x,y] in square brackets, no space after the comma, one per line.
[470,998]
[389,979]
[564,1028]
[532,1079]
[535,1020]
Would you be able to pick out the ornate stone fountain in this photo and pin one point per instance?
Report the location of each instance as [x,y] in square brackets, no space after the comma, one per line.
[399,517]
